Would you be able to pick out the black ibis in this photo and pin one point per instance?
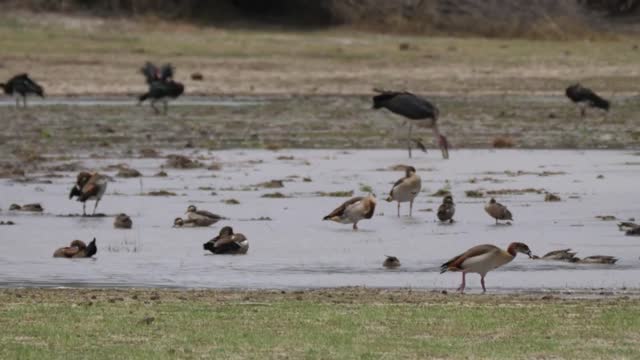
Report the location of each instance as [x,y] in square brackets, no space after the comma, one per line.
[585,97]
[415,108]
[162,87]
[22,85]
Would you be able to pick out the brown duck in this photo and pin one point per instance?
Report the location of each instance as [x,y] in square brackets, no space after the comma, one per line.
[228,242]
[77,249]
[89,186]
[354,210]
[497,211]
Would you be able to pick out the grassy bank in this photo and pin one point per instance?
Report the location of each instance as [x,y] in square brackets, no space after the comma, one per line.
[338,324]
[87,55]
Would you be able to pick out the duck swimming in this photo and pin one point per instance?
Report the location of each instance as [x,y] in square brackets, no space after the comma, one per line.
[202,217]
[391,262]
[406,189]
[227,242]
[77,249]
[560,255]
[353,210]
[122,221]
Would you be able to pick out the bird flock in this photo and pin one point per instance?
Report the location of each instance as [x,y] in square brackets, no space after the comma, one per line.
[417,110]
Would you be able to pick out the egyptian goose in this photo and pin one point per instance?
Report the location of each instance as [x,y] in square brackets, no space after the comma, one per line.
[354,210]
[89,186]
[391,262]
[560,255]
[122,221]
[497,211]
[227,242]
[596,259]
[22,85]
[406,189]
[77,249]
[483,258]
[447,209]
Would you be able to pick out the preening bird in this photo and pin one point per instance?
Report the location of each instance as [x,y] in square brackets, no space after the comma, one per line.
[89,186]
[585,97]
[227,242]
[162,87]
[201,217]
[22,85]
[406,189]
[415,108]
[483,258]
[354,210]
[77,249]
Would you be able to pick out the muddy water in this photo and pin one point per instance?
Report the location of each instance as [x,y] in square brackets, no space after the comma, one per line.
[297,249]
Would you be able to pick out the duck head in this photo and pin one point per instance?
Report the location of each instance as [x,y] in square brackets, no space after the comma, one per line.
[410,170]
[178,222]
[447,199]
[492,201]
[191,208]
[226,231]
[518,247]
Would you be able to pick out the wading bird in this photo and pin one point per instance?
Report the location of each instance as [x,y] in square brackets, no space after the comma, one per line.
[497,211]
[415,108]
[354,210]
[22,85]
[89,186]
[481,259]
[585,97]
[162,87]
[227,242]
[406,189]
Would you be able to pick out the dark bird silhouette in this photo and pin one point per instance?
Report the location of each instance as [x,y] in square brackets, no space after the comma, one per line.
[162,87]
[22,85]
[227,242]
[585,97]
[416,109]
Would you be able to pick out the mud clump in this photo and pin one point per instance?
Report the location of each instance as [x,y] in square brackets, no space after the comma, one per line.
[148,153]
[66,167]
[128,173]
[335,193]
[441,193]
[231,202]
[182,162]
[515,191]
[275,195]
[273,184]
[161,193]
[502,142]
[9,170]
[549,197]
[161,174]
[606,217]
[474,193]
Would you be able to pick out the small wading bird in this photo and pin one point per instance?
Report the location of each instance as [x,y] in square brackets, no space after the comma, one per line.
[481,259]
[89,186]
[447,209]
[585,97]
[497,211]
[22,85]
[406,189]
[354,210]
[227,242]
[77,249]
[416,109]
[162,87]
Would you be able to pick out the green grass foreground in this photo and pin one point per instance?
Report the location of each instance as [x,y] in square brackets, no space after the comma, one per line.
[322,324]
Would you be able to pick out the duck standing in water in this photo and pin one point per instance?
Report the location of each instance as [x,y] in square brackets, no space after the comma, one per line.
[227,242]
[353,210]
[447,209]
[123,221]
[77,249]
[201,217]
[497,211]
[483,258]
[406,189]
[89,186]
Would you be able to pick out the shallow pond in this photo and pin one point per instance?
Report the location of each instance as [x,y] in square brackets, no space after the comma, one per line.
[297,250]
